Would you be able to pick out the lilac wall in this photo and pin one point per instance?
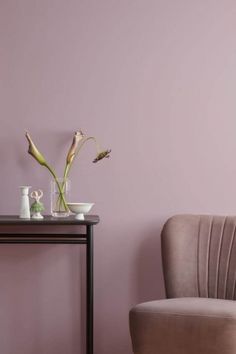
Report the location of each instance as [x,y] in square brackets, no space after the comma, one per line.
[155,80]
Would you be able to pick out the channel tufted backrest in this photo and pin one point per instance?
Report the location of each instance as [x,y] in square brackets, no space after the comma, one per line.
[199,256]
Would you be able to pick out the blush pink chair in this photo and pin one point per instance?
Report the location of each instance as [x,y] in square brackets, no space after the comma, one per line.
[199,314]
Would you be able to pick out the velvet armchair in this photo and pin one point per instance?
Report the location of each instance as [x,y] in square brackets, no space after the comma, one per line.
[199,314]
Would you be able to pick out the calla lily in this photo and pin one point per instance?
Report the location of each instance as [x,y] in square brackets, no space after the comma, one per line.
[33,151]
[76,140]
[101,155]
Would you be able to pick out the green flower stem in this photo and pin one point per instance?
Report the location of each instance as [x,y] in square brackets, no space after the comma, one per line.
[66,171]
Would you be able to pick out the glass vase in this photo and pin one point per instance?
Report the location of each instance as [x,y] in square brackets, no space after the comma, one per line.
[60,191]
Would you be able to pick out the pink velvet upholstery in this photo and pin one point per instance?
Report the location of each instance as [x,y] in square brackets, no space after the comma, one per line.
[199,264]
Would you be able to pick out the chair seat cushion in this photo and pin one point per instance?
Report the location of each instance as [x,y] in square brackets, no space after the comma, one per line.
[184,326]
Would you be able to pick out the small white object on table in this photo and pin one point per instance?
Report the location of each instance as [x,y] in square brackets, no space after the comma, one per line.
[80,209]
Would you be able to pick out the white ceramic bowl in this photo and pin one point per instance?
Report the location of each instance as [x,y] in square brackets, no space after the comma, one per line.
[80,209]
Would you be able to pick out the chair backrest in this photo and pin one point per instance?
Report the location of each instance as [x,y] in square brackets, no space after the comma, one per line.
[199,256]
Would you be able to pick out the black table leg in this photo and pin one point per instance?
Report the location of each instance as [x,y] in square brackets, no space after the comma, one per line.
[89,291]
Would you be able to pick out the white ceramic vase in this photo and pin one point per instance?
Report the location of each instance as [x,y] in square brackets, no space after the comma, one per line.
[24,202]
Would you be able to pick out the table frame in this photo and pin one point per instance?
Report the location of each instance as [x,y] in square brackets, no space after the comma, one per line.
[70,237]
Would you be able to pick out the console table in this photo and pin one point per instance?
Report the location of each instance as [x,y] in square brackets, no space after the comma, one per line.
[15,230]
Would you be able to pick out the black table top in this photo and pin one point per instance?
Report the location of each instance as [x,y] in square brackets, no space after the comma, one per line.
[48,220]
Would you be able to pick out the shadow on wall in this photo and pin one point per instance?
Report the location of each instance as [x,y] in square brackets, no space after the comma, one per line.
[149,277]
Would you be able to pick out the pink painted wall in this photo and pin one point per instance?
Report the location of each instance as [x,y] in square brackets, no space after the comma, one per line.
[155,80]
